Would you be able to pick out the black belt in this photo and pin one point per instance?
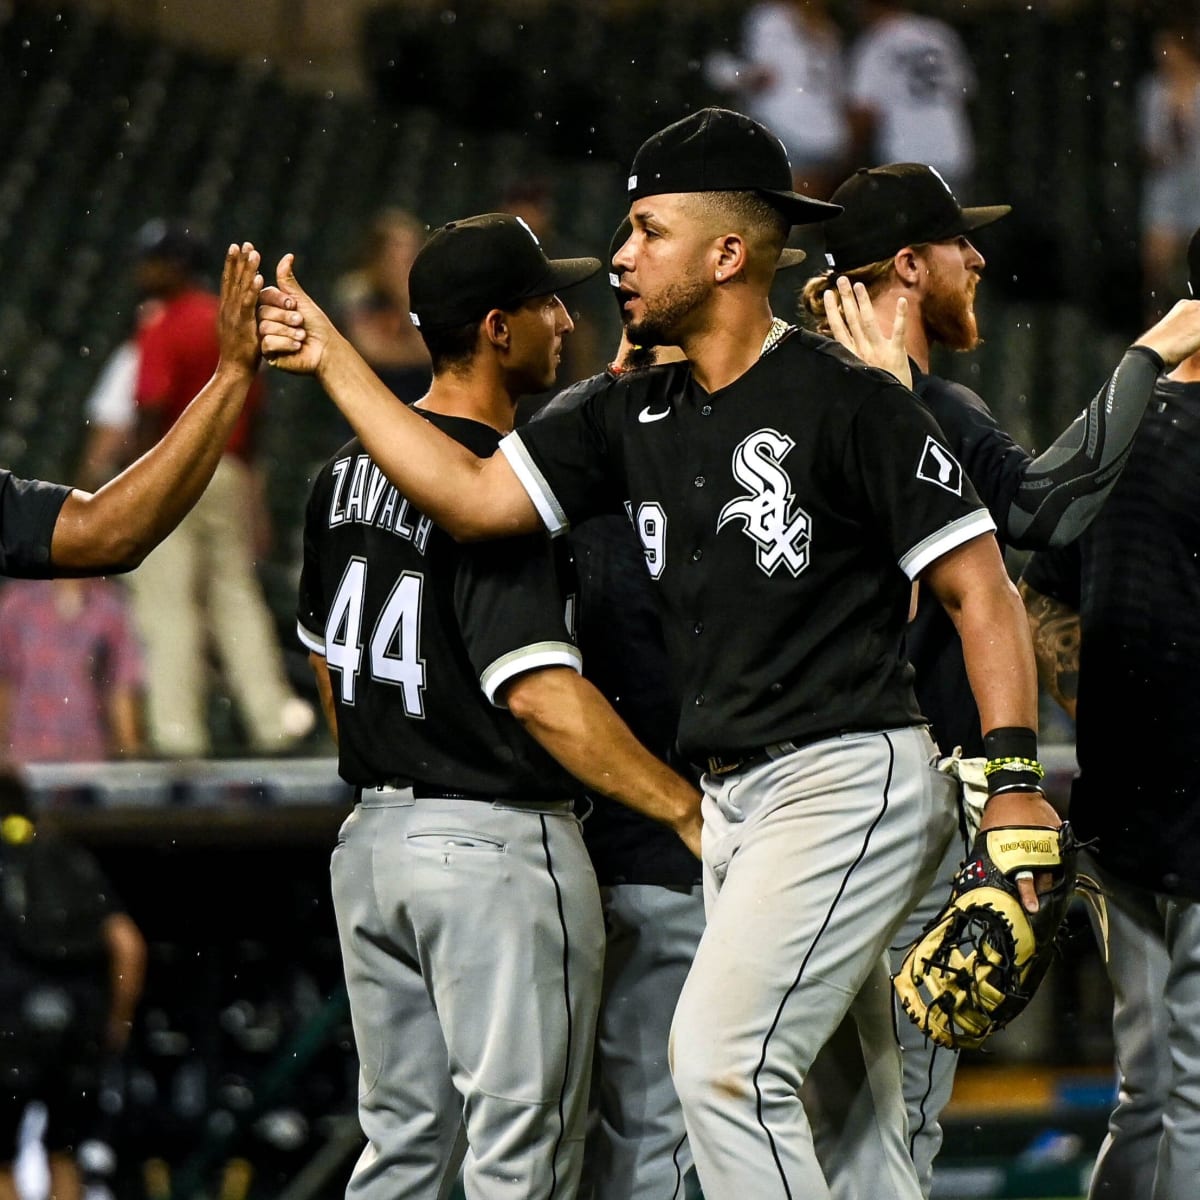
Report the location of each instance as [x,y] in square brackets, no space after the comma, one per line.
[745,760]
[421,791]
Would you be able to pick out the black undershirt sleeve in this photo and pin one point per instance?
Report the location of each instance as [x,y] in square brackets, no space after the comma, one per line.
[1064,487]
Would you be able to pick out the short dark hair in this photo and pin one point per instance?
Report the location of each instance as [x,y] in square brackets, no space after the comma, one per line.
[451,347]
[766,229]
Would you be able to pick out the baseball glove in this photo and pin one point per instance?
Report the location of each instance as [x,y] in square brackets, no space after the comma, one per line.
[977,964]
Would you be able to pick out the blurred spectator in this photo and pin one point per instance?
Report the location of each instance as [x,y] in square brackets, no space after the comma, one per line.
[199,588]
[910,83]
[532,199]
[70,672]
[373,302]
[72,967]
[110,409]
[1169,112]
[790,76]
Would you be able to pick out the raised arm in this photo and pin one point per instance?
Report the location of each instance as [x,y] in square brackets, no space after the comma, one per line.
[115,527]
[572,721]
[1064,488]
[471,498]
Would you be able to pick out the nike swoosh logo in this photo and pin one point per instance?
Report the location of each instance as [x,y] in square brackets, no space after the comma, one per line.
[646,416]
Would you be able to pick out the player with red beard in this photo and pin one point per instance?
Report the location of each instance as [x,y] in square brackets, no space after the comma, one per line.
[902,233]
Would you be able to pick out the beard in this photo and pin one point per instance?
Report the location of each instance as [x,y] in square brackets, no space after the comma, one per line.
[660,323]
[639,358]
[949,313]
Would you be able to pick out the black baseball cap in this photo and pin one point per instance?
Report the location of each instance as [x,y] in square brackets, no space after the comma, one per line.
[887,208]
[718,150]
[171,240]
[1193,261]
[789,256]
[489,261]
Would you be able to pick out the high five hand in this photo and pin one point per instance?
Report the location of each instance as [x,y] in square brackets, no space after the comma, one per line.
[295,332]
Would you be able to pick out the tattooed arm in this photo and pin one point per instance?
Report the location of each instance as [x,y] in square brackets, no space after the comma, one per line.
[1055,629]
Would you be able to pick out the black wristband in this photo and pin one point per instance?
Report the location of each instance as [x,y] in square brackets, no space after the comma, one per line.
[1010,741]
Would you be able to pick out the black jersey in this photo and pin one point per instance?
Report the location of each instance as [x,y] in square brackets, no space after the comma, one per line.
[420,633]
[29,509]
[782,517]
[625,656]
[1035,503]
[1134,578]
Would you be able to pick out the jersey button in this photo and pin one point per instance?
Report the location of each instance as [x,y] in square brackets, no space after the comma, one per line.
[700,699]
[697,555]
[699,481]
[706,410]
[698,627]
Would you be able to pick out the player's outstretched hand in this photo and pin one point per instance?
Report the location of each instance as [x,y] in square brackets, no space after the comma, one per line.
[1177,335]
[1030,809]
[295,333]
[241,285]
[852,322]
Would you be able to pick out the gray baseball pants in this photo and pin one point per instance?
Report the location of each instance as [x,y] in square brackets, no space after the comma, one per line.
[928,1068]
[1152,1149]
[638,1145]
[811,864]
[473,944]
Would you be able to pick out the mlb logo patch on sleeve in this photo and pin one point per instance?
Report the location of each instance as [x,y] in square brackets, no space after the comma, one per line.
[939,466]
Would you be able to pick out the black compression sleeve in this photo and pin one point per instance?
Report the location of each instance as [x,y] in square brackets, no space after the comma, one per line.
[1065,486]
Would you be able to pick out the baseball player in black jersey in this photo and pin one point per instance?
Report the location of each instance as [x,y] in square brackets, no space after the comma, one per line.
[903,234]
[1117,634]
[49,529]
[650,886]
[786,497]
[468,913]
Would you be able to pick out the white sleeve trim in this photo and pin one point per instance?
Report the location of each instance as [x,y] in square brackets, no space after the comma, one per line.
[314,641]
[946,539]
[528,658]
[535,485]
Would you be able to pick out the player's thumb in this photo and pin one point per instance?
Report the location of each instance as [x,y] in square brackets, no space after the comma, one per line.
[285,276]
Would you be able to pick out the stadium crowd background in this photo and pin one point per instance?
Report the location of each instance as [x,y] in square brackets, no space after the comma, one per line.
[291,125]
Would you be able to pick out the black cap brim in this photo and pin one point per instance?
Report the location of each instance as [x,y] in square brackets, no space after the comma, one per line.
[565,273]
[798,208]
[984,214]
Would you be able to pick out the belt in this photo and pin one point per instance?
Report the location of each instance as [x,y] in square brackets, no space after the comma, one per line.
[420,791]
[722,764]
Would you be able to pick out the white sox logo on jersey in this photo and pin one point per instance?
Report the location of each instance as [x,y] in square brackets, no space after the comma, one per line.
[939,466]
[781,532]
